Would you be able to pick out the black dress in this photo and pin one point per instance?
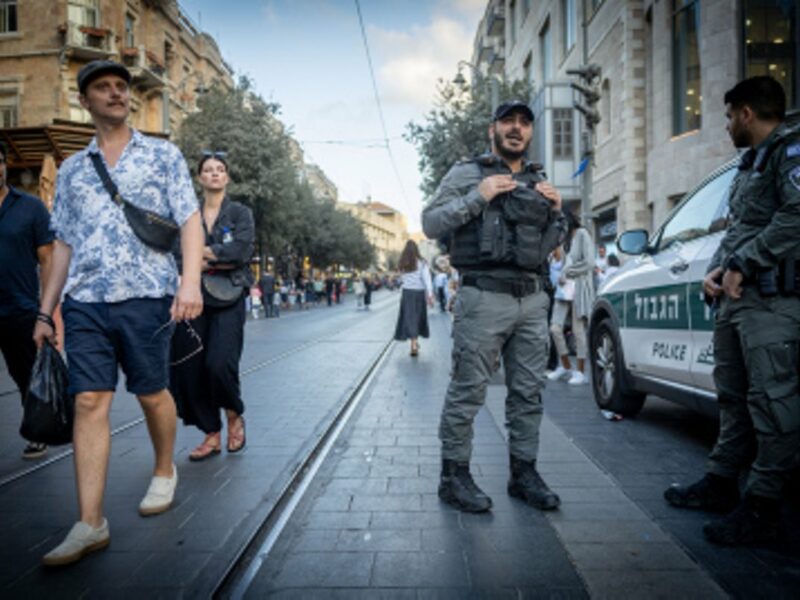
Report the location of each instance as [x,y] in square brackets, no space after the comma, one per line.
[209,380]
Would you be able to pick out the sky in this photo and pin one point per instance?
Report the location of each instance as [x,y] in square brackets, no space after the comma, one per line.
[309,57]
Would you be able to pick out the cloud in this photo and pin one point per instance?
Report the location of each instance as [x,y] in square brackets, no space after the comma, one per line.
[414,60]
[470,8]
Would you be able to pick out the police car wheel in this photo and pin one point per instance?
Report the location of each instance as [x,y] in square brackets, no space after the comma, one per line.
[609,378]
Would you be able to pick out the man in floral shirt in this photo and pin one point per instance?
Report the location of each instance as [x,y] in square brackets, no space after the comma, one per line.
[120,295]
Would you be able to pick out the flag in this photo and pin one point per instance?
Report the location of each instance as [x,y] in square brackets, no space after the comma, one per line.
[581,167]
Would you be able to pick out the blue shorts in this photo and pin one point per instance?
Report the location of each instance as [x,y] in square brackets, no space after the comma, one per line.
[100,337]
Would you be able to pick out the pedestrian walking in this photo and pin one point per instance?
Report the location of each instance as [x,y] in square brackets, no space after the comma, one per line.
[574,297]
[359,290]
[319,290]
[207,382]
[368,288]
[502,220]
[26,243]
[440,285]
[753,281]
[309,289]
[412,321]
[276,303]
[119,292]
[284,292]
[267,285]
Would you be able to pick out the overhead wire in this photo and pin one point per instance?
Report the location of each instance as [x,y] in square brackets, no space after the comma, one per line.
[386,139]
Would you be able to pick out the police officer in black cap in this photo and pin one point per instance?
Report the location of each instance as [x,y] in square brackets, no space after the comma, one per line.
[501,220]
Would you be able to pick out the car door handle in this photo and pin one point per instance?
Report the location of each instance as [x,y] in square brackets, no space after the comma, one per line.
[679,266]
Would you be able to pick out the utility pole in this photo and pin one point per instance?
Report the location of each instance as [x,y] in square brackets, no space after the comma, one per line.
[589,89]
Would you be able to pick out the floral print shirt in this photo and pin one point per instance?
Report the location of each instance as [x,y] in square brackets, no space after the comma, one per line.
[109,263]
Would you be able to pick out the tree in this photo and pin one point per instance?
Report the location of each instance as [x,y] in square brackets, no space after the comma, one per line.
[291,222]
[456,128]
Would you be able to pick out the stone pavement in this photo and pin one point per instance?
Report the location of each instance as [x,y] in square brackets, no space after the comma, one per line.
[371,524]
[297,371]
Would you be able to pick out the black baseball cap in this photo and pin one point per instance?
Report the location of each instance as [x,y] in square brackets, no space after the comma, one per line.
[96,68]
[507,108]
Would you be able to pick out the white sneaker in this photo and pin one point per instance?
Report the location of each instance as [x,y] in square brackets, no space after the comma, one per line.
[577,378]
[559,373]
[81,539]
[159,495]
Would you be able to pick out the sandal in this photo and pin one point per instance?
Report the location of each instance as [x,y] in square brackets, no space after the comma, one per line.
[415,350]
[210,446]
[236,436]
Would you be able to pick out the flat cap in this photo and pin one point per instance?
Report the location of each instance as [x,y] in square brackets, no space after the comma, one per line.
[96,68]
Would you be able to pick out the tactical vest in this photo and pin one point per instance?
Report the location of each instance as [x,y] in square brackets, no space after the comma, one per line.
[511,230]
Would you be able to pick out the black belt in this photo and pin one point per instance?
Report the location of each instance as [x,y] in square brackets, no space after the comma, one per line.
[518,288]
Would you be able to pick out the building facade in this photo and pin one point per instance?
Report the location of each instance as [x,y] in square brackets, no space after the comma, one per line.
[44,43]
[385,228]
[665,66]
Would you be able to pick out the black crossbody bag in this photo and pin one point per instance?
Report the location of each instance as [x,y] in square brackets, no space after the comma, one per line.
[157,232]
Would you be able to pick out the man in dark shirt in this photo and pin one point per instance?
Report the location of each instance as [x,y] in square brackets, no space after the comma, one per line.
[25,244]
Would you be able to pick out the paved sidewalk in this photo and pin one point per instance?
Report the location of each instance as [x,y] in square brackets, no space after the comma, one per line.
[290,397]
[371,524]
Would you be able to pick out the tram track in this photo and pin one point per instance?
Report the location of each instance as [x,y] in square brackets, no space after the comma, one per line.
[243,568]
[68,452]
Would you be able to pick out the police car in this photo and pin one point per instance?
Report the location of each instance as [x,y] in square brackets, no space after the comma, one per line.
[650,329]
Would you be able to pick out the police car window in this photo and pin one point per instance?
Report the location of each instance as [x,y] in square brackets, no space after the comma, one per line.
[703,213]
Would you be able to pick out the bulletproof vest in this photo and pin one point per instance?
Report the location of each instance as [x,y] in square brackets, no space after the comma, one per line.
[511,230]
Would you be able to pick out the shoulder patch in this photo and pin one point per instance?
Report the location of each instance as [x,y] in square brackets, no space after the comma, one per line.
[794,177]
[793,150]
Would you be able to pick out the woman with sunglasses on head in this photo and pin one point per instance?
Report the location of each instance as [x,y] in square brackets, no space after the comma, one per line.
[204,378]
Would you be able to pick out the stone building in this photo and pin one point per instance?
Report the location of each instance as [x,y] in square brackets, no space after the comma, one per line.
[43,45]
[385,228]
[665,67]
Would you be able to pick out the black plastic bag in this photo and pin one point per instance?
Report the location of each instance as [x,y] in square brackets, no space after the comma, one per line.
[48,408]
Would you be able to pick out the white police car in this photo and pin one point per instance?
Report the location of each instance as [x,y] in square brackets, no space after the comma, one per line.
[650,329]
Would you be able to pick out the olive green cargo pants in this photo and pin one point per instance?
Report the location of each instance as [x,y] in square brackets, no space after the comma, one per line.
[756,356]
[488,325]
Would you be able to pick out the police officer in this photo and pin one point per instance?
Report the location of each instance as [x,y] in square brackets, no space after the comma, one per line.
[501,220]
[754,278]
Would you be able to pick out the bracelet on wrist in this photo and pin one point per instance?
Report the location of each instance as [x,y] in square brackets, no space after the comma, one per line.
[47,319]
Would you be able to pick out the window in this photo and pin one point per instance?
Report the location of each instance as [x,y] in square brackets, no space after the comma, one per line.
[605,108]
[9,100]
[130,38]
[544,50]
[568,21]
[771,43]
[562,133]
[686,92]
[84,12]
[8,16]
[512,21]
[700,214]
[528,66]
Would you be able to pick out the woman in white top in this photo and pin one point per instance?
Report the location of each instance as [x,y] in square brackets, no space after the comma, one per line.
[415,277]
[574,295]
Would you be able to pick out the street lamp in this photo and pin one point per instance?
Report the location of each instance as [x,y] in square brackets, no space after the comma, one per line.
[494,83]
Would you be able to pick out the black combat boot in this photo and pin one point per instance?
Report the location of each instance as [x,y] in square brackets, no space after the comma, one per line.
[713,493]
[457,487]
[526,484]
[755,521]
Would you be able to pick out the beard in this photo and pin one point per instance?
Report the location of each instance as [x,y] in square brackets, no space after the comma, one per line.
[507,153]
[741,139]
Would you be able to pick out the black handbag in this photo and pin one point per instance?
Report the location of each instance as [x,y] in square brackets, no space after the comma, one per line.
[155,231]
[220,289]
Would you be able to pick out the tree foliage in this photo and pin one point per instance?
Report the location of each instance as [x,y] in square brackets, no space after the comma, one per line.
[291,222]
[456,127]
